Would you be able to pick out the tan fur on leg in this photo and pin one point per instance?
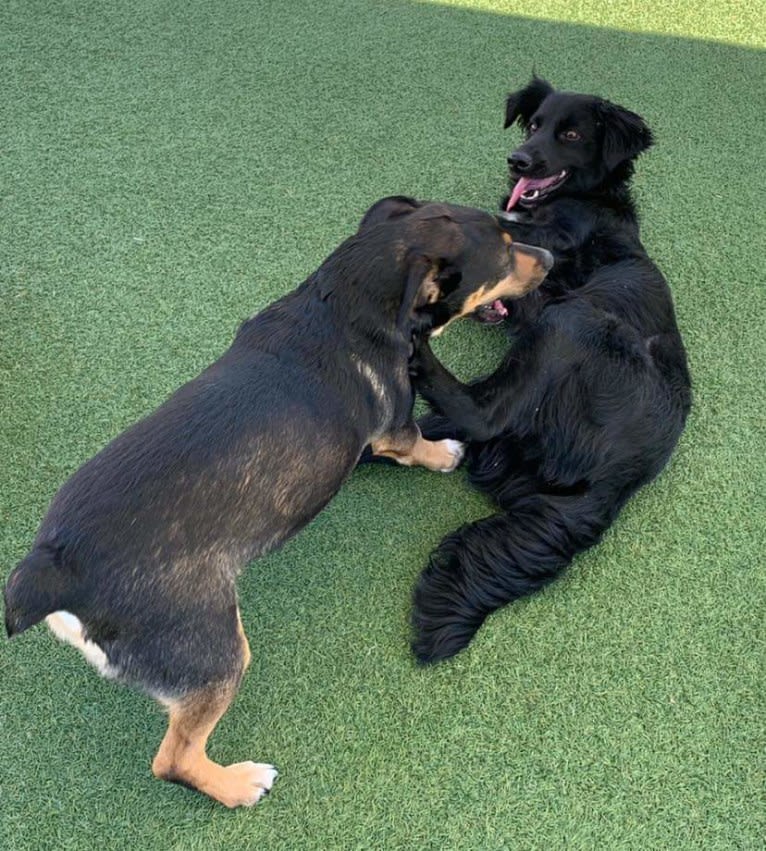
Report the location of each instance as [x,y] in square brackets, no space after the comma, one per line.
[245,645]
[182,758]
[410,448]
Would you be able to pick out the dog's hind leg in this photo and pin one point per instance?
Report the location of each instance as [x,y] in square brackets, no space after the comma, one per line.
[182,755]
[407,446]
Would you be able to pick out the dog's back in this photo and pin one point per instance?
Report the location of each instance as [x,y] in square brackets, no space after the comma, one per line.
[136,560]
[225,470]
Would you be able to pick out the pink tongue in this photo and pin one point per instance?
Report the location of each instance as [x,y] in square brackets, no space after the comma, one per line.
[526,183]
[517,192]
[498,306]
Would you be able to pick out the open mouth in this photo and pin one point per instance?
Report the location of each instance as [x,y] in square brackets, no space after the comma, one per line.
[531,190]
[491,314]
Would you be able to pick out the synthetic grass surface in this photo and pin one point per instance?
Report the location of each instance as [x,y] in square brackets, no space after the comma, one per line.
[167,169]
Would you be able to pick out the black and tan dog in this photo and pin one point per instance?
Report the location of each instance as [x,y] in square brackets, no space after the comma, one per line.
[136,561]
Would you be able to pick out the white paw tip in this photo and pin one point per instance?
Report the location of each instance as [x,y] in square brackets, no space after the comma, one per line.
[457,450]
[270,774]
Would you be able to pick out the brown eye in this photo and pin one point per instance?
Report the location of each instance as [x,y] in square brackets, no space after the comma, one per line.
[571,136]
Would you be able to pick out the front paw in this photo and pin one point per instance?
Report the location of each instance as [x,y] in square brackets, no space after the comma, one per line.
[441,456]
[454,451]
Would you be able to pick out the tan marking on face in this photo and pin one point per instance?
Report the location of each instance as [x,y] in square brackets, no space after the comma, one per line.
[507,238]
[526,276]
[528,270]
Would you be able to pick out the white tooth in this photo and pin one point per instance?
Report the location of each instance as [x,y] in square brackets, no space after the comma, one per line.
[535,194]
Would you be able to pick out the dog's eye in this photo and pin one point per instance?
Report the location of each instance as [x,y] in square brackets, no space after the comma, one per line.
[532,128]
[571,136]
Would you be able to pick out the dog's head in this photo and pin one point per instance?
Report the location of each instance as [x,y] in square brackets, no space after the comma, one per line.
[454,260]
[574,143]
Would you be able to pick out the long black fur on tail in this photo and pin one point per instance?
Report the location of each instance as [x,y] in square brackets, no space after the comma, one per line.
[486,564]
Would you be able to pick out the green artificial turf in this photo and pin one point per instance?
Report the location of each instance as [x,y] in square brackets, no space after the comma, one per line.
[168,168]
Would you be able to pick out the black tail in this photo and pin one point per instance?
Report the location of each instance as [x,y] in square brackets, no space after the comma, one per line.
[486,564]
[37,586]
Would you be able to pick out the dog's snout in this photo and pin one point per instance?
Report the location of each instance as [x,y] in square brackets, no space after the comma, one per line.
[520,161]
[540,257]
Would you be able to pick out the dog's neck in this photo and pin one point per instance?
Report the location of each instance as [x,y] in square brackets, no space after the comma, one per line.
[615,190]
[367,278]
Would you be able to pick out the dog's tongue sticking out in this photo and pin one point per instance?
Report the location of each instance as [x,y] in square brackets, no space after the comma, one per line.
[500,308]
[517,192]
[525,185]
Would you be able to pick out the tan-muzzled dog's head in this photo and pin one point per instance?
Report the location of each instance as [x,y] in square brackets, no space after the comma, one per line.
[457,260]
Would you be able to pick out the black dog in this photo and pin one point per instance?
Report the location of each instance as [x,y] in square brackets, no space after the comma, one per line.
[592,396]
[136,561]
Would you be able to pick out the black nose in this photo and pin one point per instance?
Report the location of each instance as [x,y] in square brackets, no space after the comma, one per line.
[519,161]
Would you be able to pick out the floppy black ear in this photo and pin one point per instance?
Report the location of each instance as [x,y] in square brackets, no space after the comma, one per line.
[419,290]
[429,282]
[523,103]
[391,207]
[625,134]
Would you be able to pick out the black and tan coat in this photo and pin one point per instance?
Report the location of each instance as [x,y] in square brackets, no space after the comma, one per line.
[137,559]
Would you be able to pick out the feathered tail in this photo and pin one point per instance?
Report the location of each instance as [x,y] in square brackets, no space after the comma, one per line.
[486,564]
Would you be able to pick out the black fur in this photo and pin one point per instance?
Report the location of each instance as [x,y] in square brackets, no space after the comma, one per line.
[144,542]
[593,394]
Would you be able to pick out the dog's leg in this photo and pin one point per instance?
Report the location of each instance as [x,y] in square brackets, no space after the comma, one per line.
[182,758]
[407,446]
[458,403]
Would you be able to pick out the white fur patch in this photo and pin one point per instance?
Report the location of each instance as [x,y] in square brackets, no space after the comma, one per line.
[512,216]
[456,449]
[67,627]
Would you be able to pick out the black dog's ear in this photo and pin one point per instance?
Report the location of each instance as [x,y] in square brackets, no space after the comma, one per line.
[523,103]
[625,134]
[392,207]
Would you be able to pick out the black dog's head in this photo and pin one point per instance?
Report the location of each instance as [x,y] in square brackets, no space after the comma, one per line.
[455,260]
[575,143]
